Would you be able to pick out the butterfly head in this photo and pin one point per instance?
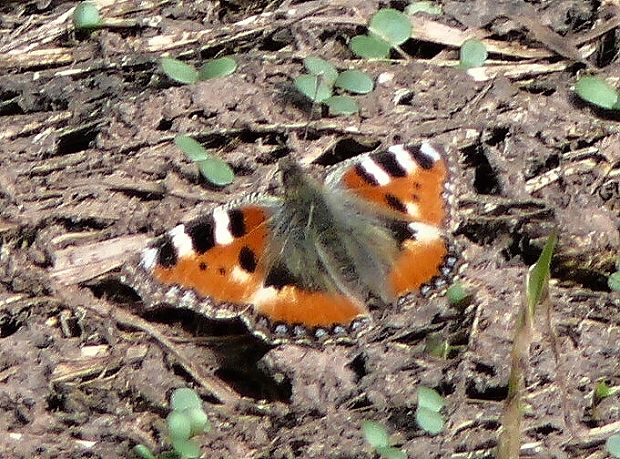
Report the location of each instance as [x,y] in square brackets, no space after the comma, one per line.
[296,182]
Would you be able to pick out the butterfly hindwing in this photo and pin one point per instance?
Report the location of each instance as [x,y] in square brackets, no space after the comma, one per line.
[294,313]
[425,262]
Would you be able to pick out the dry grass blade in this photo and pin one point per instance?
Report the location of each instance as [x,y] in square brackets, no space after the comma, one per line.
[537,279]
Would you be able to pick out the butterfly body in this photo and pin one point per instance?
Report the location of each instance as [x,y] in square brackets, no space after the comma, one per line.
[304,266]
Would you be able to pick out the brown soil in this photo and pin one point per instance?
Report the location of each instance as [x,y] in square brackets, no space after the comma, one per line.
[89,172]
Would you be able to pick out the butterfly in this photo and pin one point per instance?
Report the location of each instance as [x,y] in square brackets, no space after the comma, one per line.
[305,266]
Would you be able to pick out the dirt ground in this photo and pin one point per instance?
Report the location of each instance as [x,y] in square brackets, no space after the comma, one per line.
[89,173]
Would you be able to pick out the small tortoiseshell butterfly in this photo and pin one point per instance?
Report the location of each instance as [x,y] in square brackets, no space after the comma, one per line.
[304,267]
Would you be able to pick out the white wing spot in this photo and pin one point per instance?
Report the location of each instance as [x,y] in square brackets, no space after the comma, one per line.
[376,171]
[264,295]
[403,157]
[424,232]
[181,241]
[223,236]
[149,258]
[188,299]
[412,209]
[172,293]
[239,275]
[429,151]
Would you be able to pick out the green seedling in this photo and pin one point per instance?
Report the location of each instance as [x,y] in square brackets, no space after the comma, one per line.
[179,71]
[612,445]
[86,16]
[427,414]
[341,105]
[354,81]
[217,68]
[215,170]
[378,438]
[387,29]
[472,54]
[613,281]
[602,391]
[314,87]
[186,420]
[184,73]
[369,47]
[391,26]
[598,92]
[423,7]
[537,279]
[143,452]
[320,67]
[318,86]
[184,398]
[457,295]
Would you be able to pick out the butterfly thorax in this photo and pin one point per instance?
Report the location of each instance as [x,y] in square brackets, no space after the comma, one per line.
[326,239]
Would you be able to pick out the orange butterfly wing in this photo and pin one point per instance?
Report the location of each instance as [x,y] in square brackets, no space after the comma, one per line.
[214,266]
[412,181]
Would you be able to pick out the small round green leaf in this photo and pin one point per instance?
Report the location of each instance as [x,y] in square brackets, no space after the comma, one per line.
[355,81]
[457,295]
[216,171]
[313,87]
[596,91]
[473,53]
[430,399]
[86,16]
[369,47]
[613,281]
[318,66]
[179,71]
[185,398]
[196,152]
[179,425]
[375,434]
[389,452]
[391,26]
[200,422]
[186,448]
[341,105]
[612,445]
[423,7]
[429,420]
[143,452]
[216,68]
